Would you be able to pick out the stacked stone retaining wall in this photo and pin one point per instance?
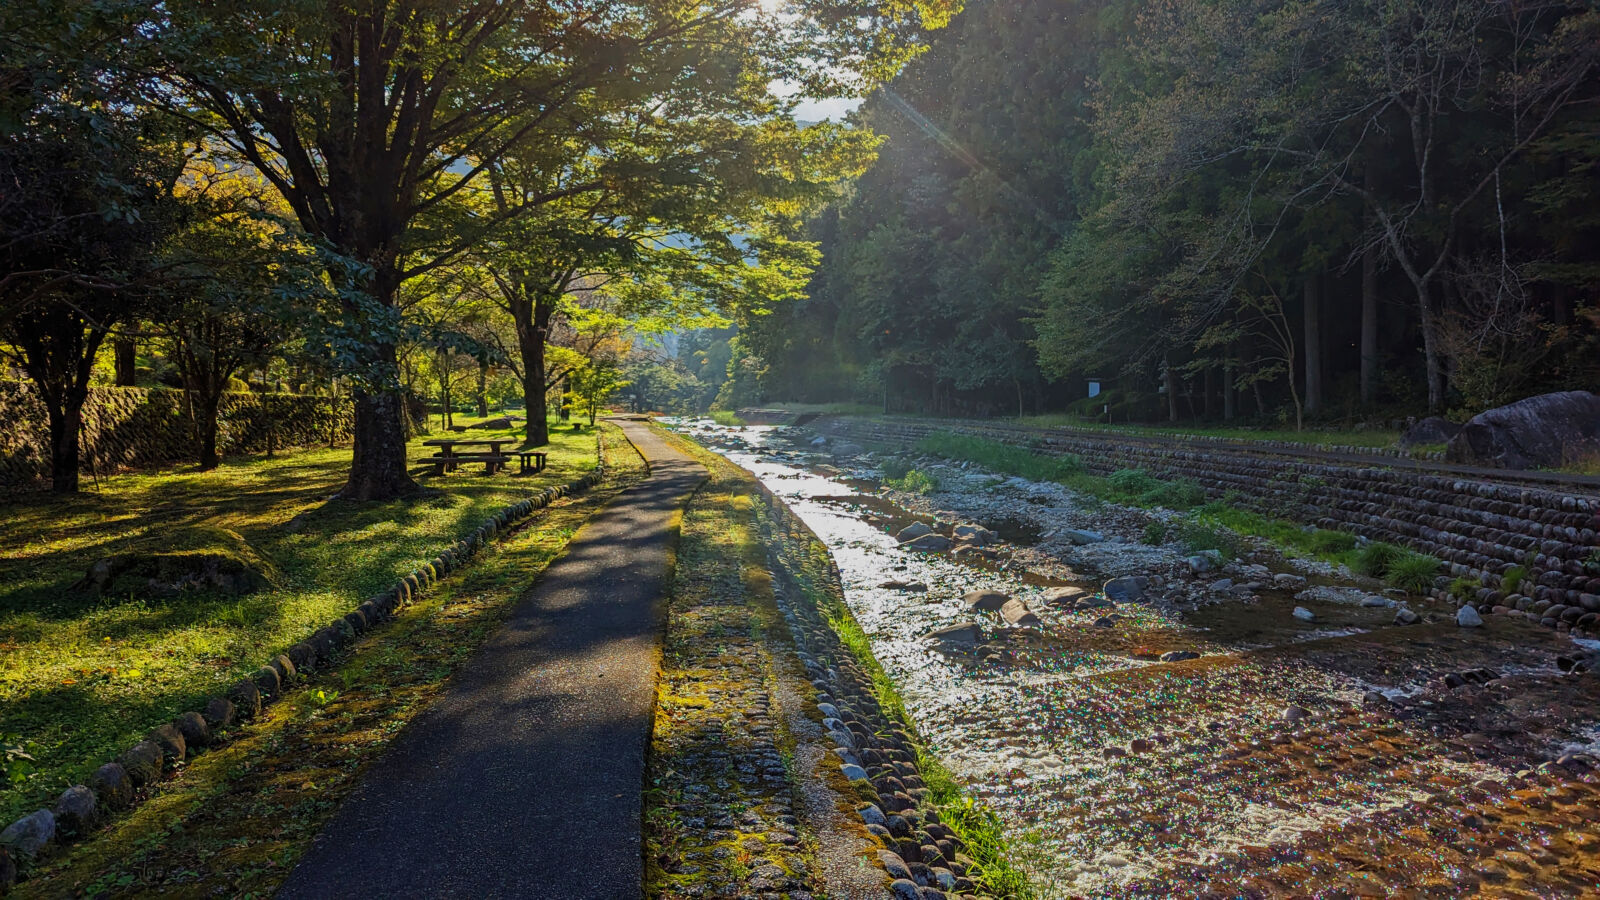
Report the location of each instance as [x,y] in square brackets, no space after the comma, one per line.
[130,428]
[1481,528]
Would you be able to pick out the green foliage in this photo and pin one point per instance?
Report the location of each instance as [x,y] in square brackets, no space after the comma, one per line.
[1155,533]
[1413,572]
[1376,557]
[1132,482]
[1002,457]
[88,675]
[895,467]
[1197,534]
[915,482]
[1329,543]
[1464,589]
[726,417]
[1512,580]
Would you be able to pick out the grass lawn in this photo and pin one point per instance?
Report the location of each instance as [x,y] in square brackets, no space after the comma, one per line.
[1380,438]
[82,677]
[237,817]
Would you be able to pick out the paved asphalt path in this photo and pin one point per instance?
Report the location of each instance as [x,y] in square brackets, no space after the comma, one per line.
[524,778]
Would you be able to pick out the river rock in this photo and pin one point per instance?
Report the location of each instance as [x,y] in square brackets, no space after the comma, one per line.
[1543,431]
[1178,655]
[1017,613]
[928,543]
[1406,617]
[985,601]
[1432,430]
[1467,617]
[28,836]
[1295,713]
[1304,615]
[1200,563]
[819,441]
[1079,537]
[1068,597]
[1127,589]
[974,534]
[957,637]
[1288,581]
[913,531]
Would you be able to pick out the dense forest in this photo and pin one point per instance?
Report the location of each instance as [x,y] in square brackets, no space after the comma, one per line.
[1256,209]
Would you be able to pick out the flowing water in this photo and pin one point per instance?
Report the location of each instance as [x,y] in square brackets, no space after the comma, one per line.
[1266,766]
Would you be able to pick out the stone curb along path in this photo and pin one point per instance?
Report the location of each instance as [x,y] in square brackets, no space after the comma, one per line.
[525,778]
[114,785]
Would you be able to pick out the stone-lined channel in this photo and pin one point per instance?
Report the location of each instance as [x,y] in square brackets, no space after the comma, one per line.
[1269,755]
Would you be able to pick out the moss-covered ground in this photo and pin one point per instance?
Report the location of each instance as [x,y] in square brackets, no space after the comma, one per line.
[235,818]
[721,782]
[82,677]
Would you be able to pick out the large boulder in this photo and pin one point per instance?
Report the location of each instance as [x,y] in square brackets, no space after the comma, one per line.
[1432,430]
[1539,432]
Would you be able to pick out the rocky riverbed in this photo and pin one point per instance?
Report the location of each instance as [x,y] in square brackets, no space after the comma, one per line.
[1153,722]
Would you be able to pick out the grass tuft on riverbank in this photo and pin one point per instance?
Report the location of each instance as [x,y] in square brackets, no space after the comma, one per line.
[1129,487]
[1405,569]
[83,677]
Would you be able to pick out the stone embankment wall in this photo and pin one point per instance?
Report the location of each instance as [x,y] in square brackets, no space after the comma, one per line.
[127,428]
[1480,528]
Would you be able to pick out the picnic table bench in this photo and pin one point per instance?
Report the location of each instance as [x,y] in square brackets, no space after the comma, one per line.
[448,457]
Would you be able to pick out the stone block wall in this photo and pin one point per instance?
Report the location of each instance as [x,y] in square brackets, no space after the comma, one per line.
[130,428]
[1480,528]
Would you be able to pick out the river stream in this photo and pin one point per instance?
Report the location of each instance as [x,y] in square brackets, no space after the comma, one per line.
[1338,754]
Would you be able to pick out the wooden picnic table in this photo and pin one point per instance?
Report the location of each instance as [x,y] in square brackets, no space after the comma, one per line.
[493,459]
[447,458]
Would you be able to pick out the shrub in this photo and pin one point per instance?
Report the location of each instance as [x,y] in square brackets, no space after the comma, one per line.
[1155,533]
[1512,579]
[1132,482]
[915,482]
[1464,589]
[1375,558]
[1196,535]
[895,468]
[1413,572]
[1001,457]
[1178,495]
[1332,542]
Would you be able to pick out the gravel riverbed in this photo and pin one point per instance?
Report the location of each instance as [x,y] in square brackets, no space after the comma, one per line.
[1151,722]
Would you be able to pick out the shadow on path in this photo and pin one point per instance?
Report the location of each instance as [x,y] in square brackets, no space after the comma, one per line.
[525,778]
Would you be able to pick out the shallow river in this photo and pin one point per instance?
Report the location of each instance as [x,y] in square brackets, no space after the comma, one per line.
[1266,766]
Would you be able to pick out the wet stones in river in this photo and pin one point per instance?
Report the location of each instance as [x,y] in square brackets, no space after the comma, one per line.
[913,531]
[975,535]
[1406,617]
[928,543]
[910,587]
[1127,589]
[957,638]
[1467,617]
[1204,561]
[1018,615]
[1304,615]
[1078,537]
[1288,581]
[985,601]
[1067,597]
[1295,713]
[1178,655]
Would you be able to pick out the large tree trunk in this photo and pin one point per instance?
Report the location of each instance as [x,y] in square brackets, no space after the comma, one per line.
[207,412]
[66,424]
[125,353]
[532,319]
[1430,349]
[1313,342]
[378,460]
[1369,325]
